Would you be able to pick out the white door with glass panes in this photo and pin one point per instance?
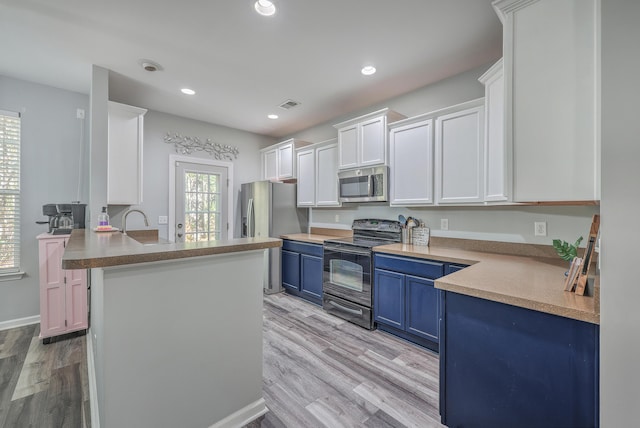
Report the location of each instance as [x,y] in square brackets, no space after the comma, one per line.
[201,202]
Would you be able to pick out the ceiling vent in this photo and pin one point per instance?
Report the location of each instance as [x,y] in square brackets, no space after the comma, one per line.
[289,104]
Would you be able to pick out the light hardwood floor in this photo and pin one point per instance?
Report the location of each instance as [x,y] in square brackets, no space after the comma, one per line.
[319,371]
[322,371]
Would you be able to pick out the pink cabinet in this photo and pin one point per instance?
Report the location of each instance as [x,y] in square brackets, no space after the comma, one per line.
[63,293]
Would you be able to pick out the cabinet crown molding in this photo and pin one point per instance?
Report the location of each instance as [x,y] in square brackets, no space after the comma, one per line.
[505,7]
[441,112]
[391,115]
[495,68]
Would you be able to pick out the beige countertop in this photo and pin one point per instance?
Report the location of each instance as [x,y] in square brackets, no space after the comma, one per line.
[88,249]
[308,237]
[530,282]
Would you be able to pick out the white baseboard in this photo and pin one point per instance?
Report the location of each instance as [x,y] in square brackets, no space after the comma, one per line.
[93,387]
[19,322]
[243,416]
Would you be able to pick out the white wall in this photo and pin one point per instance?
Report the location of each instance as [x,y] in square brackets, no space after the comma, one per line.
[51,142]
[156,163]
[620,293]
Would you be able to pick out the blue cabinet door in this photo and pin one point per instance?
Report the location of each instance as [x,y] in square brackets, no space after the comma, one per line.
[291,270]
[422,307]
[389,298]
[311,276]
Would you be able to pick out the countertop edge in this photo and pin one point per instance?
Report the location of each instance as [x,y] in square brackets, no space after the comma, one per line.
[78,260]
[562,311]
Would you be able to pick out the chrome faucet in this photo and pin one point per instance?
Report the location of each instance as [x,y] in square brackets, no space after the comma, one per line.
[124,219]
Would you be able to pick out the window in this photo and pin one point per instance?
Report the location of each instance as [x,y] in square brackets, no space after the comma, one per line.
[9,194]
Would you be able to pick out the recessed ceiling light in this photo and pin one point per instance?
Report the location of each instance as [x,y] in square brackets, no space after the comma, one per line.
[368,70]
[188,91]
[150,65]
[265,7]
[272,116]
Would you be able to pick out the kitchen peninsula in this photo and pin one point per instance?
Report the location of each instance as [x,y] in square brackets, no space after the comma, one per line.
[176,329]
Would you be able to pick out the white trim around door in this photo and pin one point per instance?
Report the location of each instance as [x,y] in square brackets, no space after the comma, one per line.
[172,190]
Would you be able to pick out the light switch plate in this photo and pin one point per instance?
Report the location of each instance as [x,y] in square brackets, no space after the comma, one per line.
[163,219]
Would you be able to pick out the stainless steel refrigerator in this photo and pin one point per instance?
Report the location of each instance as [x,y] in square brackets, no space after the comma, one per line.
[269,210]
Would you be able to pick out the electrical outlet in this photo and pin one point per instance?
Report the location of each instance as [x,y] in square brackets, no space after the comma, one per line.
[444,224]
[80,113]
[337,218]
[540,228]
[163,219]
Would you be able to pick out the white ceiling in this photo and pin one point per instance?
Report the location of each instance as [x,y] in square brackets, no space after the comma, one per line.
[243,65]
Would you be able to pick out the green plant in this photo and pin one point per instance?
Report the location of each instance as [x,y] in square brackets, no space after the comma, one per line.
[565,250]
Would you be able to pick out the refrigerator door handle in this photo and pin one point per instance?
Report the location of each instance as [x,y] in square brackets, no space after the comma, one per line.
[250,218]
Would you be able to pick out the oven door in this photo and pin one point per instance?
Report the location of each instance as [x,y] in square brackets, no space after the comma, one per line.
[347,273]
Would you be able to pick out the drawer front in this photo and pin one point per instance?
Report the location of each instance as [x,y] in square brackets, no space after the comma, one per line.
[302,247]
[418,267]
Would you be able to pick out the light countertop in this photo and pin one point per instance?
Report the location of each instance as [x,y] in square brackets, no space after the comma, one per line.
[89,249]
[530,282]
[308,237]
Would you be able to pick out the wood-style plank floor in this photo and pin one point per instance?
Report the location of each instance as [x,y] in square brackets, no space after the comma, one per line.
[43,385]
[319,371]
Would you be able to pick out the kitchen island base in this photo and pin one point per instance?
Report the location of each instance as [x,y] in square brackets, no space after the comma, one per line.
[178,342]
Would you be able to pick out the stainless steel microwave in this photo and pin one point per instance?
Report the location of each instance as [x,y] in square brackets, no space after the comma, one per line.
[364,184]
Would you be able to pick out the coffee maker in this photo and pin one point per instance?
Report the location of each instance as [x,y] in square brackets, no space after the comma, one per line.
[64,217]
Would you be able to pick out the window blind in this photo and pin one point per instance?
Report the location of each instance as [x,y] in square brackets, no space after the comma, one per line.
[9,192]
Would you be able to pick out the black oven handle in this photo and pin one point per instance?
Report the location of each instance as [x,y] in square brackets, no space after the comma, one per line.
[344,308]
[347,250]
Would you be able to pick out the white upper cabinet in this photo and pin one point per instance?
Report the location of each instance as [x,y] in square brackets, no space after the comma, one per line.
[124,154]
[327,175]
[306,164]
[363,141]
[411,162]
[497,164]
[317,172]
[459,156]
[551,66]
[279,161]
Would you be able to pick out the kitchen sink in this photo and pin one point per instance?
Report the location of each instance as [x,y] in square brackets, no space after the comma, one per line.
[147,237]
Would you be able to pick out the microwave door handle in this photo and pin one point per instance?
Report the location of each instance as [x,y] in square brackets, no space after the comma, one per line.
[370,186]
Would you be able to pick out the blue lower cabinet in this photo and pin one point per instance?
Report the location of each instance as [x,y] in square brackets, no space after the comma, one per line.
[423,308]
[406,302]
[389,298]
[302,270]
[311,276]
[290,270]
[506,366]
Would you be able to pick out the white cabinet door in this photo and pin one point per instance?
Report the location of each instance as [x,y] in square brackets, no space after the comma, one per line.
[552,83]
[348,143]
[373,142]
[270,162]
[497,169]
[459,156]
[411,164]
[285,161]
[124,154]
[306,178]
[327,176]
